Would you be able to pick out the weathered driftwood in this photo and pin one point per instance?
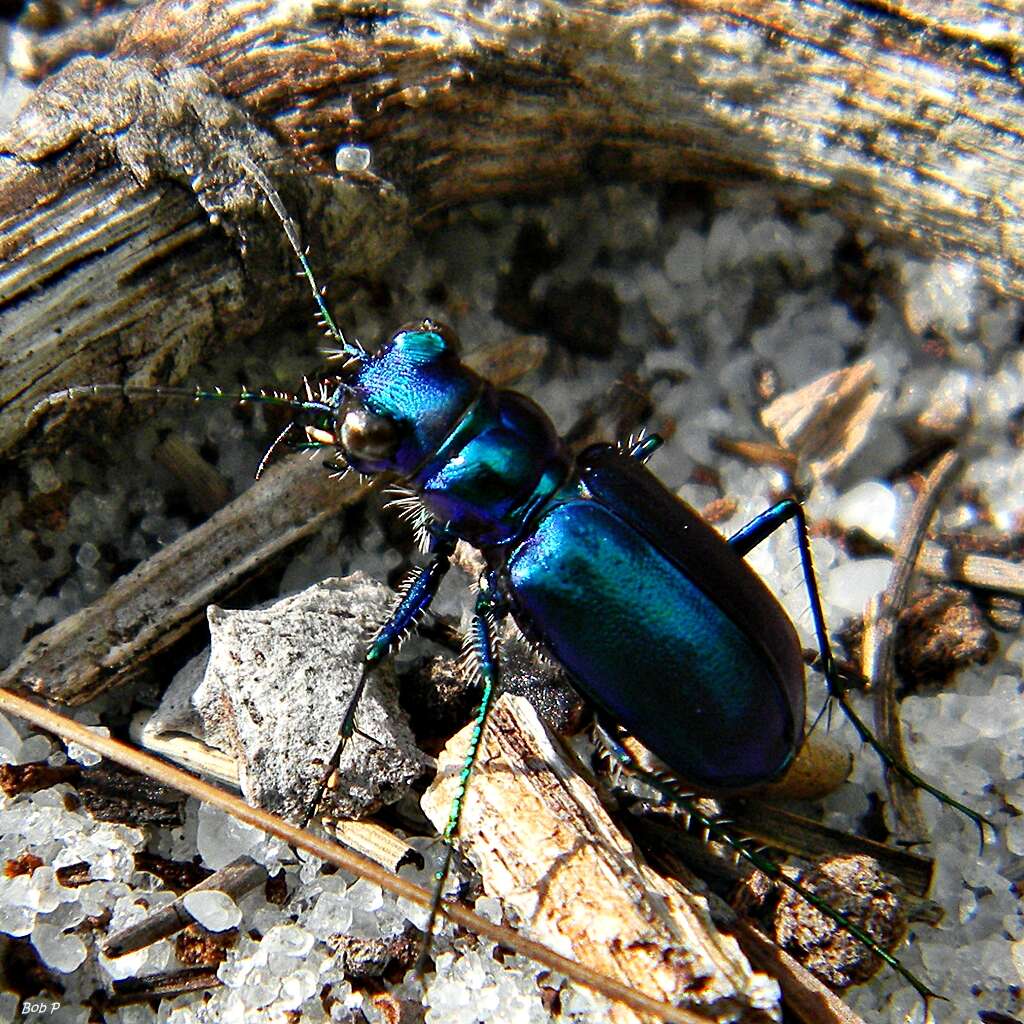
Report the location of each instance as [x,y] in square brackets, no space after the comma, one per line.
[903,117]
[545,847]
[114,211]
[984,571]
[548,850]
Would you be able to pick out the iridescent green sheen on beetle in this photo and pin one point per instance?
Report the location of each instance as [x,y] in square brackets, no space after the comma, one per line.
[659,621]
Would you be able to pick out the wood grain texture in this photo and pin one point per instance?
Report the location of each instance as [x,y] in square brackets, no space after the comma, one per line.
[131,242]
[548,850]
[902,117]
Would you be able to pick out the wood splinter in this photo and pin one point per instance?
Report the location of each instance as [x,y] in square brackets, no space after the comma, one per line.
[547,849]
[238,878]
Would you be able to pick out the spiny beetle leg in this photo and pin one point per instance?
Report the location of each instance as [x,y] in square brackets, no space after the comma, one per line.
[715,828]
[482,645]
[901,769]
[645,447]
[418,595]
[745,540]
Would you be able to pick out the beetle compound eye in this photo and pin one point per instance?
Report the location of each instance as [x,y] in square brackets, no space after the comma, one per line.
[366,435]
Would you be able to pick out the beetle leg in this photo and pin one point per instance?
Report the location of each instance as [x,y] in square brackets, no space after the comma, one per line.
[416,599]
[482,638]
[747,538]
[489,610]
[666,786]
[645,447]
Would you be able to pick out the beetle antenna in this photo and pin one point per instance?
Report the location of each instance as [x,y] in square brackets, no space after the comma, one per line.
[292,234]
[130,391]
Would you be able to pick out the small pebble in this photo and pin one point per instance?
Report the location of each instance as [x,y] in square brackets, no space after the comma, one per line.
[870,507]
[352,158]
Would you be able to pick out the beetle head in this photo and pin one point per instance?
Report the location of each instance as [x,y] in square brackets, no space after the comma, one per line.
[396,407]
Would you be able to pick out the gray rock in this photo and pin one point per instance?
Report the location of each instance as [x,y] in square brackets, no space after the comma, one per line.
[276,689]
[177,713]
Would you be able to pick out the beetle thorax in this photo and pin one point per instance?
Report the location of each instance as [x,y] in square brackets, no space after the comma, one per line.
[495,471]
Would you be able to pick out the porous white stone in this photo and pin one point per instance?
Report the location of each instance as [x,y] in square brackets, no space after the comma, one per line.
[276,689]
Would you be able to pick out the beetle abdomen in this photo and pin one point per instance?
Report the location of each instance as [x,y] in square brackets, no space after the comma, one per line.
[650,648]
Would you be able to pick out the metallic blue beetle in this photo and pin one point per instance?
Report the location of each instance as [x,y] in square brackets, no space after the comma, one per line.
[658,620]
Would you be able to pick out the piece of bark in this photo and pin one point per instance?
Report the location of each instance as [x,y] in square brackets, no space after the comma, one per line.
[905,121]
[545,846]
[825,423]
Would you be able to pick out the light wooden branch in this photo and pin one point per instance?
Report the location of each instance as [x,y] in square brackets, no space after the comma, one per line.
[878,655]
[547,849]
